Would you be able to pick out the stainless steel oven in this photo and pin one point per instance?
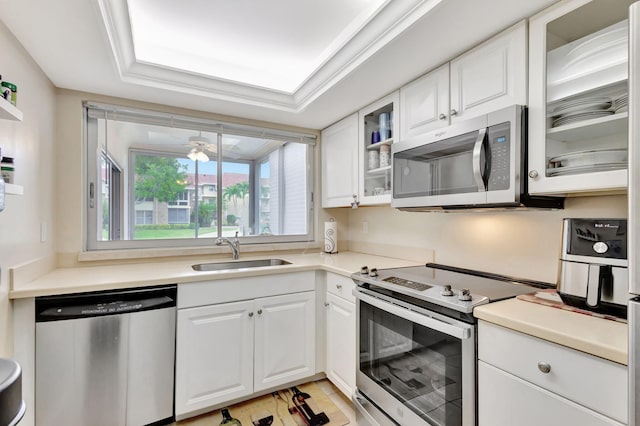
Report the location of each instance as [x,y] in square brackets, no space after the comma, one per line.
[416,342]
[418,364]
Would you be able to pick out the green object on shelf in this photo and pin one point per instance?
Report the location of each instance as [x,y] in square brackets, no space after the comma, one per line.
[11,92]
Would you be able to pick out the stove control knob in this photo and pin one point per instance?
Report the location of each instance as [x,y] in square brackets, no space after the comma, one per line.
[373,272]
[464,295]
[446,291]
[364,270]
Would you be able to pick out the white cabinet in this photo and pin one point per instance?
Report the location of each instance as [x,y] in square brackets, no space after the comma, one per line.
[424,103]
[340,163]
[240,336]
[577,91]
[356,156]
[489,77]
[377,130]
[512,401]
[285,337]
[214,357]
[529,381]
[341,334]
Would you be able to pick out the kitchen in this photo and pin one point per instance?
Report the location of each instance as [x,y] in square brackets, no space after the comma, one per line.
[44,227]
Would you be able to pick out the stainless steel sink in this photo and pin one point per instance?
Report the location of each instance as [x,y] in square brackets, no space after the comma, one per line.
[238,264]
[12,406]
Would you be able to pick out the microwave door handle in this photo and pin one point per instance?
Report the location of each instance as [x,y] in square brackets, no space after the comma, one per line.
[477,157]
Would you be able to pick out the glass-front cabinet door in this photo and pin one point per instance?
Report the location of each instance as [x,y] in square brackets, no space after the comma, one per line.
[377,131]
[578,97]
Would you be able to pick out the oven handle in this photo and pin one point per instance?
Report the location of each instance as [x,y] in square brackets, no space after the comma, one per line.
[477,156]
[461,333]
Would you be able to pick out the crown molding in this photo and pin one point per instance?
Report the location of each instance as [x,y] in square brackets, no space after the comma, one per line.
[391,20]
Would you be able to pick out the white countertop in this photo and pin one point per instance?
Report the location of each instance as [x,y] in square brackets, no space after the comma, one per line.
[597,336]
[94,278]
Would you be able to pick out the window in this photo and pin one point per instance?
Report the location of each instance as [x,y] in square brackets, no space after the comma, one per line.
[167,180]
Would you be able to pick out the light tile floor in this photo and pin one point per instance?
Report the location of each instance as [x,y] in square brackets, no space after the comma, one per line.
[337,397]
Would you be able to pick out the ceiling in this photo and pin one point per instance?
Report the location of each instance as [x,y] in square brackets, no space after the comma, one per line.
[297,62]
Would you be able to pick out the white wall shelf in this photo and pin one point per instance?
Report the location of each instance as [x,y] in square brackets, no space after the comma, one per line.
[13,189]
[9,112]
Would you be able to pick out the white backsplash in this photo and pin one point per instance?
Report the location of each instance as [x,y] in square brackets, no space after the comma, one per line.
[526,244]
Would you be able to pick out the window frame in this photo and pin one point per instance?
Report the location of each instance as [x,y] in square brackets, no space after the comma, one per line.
[91,143]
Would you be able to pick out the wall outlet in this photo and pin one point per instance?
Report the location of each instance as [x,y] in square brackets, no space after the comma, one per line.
[365,227]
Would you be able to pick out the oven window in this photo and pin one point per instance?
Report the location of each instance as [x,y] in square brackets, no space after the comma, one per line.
[420,367]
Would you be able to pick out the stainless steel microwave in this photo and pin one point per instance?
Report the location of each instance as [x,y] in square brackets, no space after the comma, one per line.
[478,163]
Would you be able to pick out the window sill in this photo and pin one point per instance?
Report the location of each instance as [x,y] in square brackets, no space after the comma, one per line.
[222,251]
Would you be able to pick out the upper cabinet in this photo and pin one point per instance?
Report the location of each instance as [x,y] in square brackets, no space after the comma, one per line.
[356,156]
[340,163]
[377,130]
[489,77]
[578,116]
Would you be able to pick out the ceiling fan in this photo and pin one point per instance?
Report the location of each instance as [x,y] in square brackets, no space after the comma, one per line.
[199,144]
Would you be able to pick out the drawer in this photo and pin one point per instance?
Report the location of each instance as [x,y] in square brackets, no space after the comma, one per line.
[593,382]
[341,286]
[506,400]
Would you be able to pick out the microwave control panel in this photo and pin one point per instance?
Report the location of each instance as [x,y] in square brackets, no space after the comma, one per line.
[500,152]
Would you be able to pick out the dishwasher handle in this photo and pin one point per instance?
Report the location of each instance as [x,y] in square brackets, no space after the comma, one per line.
[91,305]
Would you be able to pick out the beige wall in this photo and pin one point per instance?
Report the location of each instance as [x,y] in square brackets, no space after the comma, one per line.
[519,243]
[31,143]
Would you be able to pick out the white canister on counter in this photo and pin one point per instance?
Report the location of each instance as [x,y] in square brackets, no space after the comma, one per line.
[374,159]
[385,155]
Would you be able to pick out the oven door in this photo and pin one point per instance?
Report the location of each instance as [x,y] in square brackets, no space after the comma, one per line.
[417,366]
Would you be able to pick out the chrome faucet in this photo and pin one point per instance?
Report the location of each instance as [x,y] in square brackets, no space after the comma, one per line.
[234,244]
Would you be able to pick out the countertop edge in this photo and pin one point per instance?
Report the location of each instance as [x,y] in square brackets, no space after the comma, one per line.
[527,324]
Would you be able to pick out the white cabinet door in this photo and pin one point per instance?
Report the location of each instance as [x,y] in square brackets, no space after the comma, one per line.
[341,344]
[424,104]
[491,76]
[506,400]
[214,355]
[340,162]
[285,336]
[564,69]
[374,160]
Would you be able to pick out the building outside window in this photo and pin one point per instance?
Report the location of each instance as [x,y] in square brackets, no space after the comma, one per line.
[171,180]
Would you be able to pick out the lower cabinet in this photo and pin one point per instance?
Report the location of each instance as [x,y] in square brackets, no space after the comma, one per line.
[526,381]
[231,350]
[341,334]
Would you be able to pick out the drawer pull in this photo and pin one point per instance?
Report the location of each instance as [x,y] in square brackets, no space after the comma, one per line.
[339,286]
[544,367]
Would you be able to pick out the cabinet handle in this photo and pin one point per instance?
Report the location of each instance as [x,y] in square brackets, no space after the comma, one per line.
[250,314]
[544,367]
[338,286]
[326,304]
[259,311]
[453,112]
[533,174]
[442,116]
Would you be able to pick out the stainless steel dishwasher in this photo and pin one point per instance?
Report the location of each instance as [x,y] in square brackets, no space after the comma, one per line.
[106,358]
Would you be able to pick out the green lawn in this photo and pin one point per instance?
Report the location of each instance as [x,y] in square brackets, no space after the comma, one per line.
[150,234]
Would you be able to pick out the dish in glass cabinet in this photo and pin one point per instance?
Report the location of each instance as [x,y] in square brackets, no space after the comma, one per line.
[589,168]
[590,158]
[581,105]
[581,116]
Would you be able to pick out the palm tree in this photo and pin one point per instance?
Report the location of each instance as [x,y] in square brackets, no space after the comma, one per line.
[232,192]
